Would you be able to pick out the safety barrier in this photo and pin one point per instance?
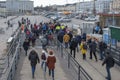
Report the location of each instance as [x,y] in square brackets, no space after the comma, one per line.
[10,62]
[116,54]
[74,67]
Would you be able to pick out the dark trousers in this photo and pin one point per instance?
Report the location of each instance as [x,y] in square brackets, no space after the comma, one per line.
[74,52]
[102,54]
[84,56]
[33,70]
[51,71]
[66,44]
[108,73]
[93,52]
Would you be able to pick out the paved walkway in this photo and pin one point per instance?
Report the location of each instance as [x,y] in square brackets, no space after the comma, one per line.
[24,70]
[95,69]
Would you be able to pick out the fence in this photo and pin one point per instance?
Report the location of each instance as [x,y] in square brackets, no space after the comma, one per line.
[76,70]
[116,54]
[10,62]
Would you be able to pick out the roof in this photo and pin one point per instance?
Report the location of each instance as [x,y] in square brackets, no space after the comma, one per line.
[104,14]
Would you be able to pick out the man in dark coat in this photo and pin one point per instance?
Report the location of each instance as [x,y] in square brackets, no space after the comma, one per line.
[26,46]
[102,48]
[109,61]
[33,58]
[73,46]
[93,47]
[60,35]
[71,36]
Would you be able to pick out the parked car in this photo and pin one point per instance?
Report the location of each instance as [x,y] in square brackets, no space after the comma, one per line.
[64,19]
[90,19]
[77,17]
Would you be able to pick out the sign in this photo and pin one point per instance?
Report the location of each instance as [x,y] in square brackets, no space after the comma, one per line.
[115,33]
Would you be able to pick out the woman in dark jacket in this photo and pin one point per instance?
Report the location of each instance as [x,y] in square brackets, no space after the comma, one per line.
[26,46]
[33,58]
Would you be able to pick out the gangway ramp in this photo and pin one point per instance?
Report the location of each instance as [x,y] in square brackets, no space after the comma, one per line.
[24,69]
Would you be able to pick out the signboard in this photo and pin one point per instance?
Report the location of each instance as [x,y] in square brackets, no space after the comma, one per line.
[115,33]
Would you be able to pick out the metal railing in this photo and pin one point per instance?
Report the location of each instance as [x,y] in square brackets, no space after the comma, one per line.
[10,62]
[76,70]
[116,54]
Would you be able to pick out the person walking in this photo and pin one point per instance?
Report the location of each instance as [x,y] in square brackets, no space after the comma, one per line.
[93,47]
[73,46]
[51,60]
[44,60]
[83,48]
[26,46]
[109,61]
[66,39]
[34,59]
[102,48]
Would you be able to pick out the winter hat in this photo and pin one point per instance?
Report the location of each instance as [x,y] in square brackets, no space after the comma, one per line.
[51,52]
[43,51]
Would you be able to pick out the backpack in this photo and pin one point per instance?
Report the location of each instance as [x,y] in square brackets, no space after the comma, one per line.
[105,45]
[33,58]
[43,57]
[84,46]
[112,62]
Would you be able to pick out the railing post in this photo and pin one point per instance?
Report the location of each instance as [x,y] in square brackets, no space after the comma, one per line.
[8,60]
[16,61]
[61,50]
[79,72]
[58,45]
[119,59]
[68,61]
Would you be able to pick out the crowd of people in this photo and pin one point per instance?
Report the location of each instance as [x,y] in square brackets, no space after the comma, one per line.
[64,36]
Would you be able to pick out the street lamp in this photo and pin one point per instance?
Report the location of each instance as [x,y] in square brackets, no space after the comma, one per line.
[113,14]
[94,9]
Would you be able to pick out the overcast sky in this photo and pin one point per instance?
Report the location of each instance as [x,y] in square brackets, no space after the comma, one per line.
[51,2]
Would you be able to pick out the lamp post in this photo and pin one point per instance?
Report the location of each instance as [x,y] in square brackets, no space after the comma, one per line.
[113,14]
[94,9]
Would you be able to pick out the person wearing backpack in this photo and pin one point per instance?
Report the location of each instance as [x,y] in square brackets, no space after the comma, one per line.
[73,46]
[44,59]
[109,61]
[26,45]
[83,48]
[34,59]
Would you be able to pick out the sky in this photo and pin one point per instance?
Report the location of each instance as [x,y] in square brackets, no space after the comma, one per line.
[52,2]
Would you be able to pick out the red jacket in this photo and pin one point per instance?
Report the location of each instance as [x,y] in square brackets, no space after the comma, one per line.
[51,60]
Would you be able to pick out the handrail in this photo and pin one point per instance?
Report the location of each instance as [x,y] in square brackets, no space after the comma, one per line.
[115,54]
[10,61]
[80,70]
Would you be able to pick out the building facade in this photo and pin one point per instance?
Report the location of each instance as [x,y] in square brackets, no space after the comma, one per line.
[2,8]
[19,6]
[2,4]
[115,5]
[69,7]
[101,6]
